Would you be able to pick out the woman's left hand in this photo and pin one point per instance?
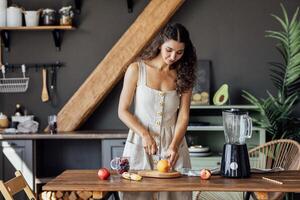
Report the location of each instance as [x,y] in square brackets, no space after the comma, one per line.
[173,155]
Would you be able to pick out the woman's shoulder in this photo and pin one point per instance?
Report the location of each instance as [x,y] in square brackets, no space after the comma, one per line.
[133,71]
[133,68]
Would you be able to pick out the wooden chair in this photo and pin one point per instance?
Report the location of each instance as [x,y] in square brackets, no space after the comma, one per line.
[282,153]
[15,185]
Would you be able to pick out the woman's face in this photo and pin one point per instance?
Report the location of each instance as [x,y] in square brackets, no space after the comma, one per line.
[171,51]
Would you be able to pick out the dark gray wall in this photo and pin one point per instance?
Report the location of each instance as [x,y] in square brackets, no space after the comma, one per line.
[229,33]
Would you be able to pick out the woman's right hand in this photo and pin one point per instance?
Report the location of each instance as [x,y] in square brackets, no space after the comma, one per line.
[149,144]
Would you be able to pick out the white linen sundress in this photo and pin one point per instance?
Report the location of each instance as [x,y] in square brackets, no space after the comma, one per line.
[157,111]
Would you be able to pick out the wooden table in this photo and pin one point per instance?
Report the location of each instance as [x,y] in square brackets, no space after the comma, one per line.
[87,180]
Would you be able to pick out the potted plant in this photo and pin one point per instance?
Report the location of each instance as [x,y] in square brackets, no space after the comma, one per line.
[276,111]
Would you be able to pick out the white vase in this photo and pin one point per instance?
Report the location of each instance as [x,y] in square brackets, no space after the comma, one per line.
[14,16]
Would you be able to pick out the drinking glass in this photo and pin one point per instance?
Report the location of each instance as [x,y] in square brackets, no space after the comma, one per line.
[121,164]
[52,122]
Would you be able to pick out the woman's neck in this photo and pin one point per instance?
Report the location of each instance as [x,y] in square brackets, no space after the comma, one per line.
[158,63]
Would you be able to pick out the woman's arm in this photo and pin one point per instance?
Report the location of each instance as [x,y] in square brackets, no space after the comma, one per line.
[126,98]
[181,126]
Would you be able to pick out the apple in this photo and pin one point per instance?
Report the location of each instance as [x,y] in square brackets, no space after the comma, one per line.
[103,174]
[205,174]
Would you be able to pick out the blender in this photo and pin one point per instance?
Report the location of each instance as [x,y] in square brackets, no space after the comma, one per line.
[235,160]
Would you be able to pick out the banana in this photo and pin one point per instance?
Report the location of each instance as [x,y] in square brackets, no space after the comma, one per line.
[131,176]
[135,177]
[126,175]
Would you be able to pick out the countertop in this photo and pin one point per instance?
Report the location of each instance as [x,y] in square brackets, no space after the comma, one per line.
[111,134]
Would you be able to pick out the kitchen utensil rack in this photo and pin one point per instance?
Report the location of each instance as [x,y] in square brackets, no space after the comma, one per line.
[36,66]
[9,85]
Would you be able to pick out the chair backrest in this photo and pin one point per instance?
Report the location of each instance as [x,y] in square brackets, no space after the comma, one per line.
[282,153]
[15,185]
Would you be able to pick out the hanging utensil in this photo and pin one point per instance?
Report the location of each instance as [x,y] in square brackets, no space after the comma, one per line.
[53,86]
[45,95]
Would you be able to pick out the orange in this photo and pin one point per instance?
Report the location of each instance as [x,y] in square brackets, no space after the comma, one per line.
[163,166]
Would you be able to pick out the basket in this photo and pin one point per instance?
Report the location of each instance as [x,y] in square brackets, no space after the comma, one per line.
[12,85]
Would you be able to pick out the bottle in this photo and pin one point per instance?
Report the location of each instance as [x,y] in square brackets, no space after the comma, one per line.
[19,110]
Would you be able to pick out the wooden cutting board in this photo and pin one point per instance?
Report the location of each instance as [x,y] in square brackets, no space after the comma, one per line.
[157,174]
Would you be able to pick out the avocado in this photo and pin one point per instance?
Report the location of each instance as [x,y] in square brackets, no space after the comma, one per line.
[221,96]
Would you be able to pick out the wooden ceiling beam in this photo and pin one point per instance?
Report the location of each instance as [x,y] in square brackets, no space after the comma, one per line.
[111,69]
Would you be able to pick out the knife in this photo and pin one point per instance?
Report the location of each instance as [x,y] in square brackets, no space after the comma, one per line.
[53,86]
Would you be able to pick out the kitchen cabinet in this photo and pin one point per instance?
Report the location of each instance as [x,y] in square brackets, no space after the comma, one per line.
[206,129]
[17,155]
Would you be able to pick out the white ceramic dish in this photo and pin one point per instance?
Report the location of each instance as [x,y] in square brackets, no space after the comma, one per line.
[198,149]
[201,154]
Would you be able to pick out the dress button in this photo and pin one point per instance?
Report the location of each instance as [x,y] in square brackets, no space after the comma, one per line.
[159,113]
[158,123]
[161,104]
[161,94]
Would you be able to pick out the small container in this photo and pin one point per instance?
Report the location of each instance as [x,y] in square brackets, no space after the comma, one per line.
[52,122]
[32,17]
[66,16]
[14,16]
[4,123]
[49,16]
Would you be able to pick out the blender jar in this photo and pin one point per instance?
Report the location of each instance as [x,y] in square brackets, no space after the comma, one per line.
[237,126]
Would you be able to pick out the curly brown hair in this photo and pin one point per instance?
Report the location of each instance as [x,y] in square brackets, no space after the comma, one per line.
[185,66]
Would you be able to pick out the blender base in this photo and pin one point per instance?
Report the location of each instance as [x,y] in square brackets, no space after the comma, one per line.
[235,161]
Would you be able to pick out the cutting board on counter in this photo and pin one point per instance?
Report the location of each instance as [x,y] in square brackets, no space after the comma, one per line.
[157,174]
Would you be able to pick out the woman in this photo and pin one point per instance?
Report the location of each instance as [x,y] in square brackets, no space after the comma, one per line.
[161,83]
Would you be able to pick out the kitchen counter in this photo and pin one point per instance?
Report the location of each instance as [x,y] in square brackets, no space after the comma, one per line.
[111,134]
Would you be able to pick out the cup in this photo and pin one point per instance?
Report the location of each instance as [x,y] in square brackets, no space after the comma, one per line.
[52,122]
[121,164]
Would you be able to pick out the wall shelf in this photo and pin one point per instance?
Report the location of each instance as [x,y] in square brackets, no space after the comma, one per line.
[215,128]
[57,32]
[223,107]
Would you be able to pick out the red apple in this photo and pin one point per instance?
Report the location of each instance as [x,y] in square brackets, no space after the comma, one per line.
[103,173]
[205,174]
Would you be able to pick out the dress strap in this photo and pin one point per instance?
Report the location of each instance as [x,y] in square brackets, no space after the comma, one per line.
[142,73]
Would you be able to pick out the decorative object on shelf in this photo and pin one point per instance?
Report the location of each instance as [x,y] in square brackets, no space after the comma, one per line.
[14,16]
[66,16]
[202,84]
[221,96]
[277,111]
[3,9]
[11,85]
[32,17]
[49,17]
[4,122]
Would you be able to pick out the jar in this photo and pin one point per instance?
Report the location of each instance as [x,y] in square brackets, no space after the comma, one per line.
[66,16]
[49,16]
[14,16]
[3,121]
